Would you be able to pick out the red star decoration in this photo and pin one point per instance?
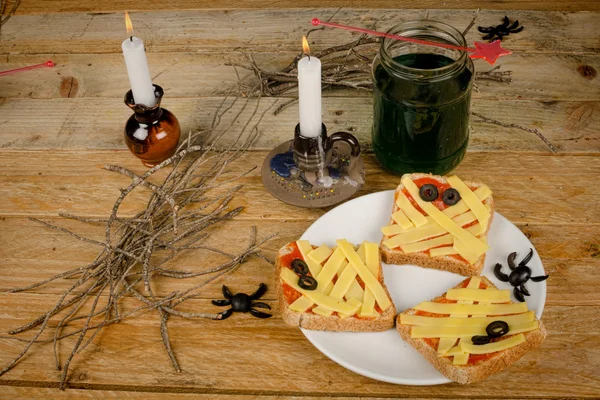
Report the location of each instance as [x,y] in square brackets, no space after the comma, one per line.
[490,51]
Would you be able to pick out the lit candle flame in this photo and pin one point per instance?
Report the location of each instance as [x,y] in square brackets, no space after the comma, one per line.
[128,23]
[305,47]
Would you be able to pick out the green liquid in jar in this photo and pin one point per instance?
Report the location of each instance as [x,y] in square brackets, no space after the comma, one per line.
[421,125]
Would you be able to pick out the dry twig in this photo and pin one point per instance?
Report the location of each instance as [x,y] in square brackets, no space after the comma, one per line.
[133,252]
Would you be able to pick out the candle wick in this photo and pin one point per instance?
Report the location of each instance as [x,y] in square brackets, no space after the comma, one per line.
[308,55]
[131,38]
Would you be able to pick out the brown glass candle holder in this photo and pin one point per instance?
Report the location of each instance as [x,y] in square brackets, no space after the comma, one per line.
[151,133]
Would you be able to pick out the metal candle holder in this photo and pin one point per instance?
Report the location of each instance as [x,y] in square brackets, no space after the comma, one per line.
[314,172]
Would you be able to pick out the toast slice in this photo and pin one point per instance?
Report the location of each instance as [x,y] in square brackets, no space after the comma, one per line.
[432,234]
[350,295]
[416,328]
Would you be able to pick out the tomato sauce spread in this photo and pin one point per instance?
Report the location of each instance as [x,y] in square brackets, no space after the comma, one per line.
[290,294]
[286,260]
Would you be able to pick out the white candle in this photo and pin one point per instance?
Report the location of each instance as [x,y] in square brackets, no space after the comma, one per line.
[137,69]
[309,94]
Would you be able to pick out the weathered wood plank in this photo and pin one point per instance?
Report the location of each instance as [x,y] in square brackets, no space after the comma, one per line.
[30,253]
[534,76]
[275,30]
[222,357]
[26,124]
[528,188]
[11,392]
[104,6]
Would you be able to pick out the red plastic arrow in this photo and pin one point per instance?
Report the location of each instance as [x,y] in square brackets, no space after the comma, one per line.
[488,51]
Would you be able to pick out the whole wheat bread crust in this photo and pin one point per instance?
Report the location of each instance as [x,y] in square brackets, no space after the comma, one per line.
[472,373]
[444,263]
[333,323]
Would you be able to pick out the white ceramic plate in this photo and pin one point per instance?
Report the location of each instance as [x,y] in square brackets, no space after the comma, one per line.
[384,355]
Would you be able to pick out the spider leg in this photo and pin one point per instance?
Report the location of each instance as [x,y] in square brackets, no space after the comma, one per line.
[506,21]
[222,303]
[225,314]
[526,259]
[259,314]
[524,290]
[226,292]
[513,25]
[539,278]
[499,274]
[262,289]
[260,304]
[485,29]
[511,260]
[489,35]
[519,29]
[518,295]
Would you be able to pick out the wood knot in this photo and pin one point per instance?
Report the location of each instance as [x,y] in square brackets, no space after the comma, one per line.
[587,71]
[68,87]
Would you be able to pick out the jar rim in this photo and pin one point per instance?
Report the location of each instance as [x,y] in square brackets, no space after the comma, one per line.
[445,33]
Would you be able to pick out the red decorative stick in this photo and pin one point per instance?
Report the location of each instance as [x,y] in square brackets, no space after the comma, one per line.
[488,51]
[10,71]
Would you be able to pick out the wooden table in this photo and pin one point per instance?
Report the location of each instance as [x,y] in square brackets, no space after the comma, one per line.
[59,126]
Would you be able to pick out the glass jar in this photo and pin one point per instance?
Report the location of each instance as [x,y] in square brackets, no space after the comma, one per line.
[421,99]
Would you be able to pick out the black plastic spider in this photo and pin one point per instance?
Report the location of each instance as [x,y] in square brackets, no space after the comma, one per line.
[243,303]
[499,31]
[520,274]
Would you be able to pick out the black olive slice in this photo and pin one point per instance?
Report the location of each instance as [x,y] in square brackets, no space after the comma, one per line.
[519,275]
[260,304]
[513,25]
[526,259]
[307,282]
[299,267]
[480,339]
[539,278]
[489,36]
[485,29]
[451,196]
[523,289]
[499,274]
[505,22]
[518,295]
[511,260]
[519,29]
[259,314]
[428,192]
[496,329]
[226,292]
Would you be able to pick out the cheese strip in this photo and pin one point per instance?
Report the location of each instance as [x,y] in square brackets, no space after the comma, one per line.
[411,212]
[442,219]
[324,311]
[427,231]
[330,269]
[302,304]
[482,193]
[305,248]
[479,295]
[427,244]
[315,296]
[391,230]
[465,251]
[442,251]
[343,283]
[512,341]
[320,254]
[371,259]
[455,351]
[472,309]
[455,332]
[466,194]
[401,219]
[356,304]
[368,278]
[411,319]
